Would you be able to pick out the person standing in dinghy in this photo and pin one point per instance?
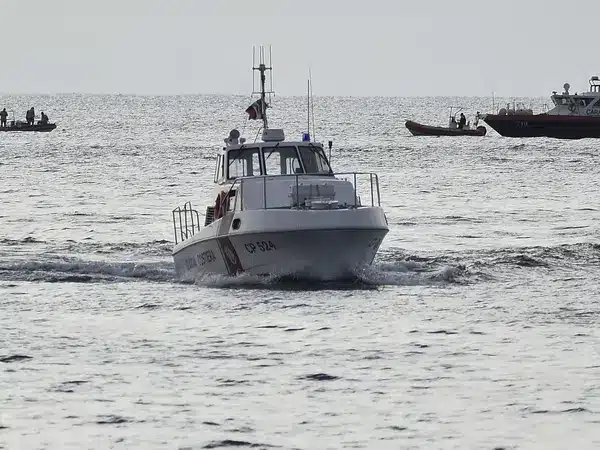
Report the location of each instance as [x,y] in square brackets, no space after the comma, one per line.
[3,116]
[30,116]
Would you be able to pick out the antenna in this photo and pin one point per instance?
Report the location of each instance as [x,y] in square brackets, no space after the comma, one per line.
[308,106]
[262,67]
[310,110]
[312,105]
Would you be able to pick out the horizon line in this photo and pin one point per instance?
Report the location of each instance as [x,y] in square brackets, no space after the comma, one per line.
[199,94]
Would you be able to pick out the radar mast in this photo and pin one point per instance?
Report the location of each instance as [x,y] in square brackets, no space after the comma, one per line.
[263,66]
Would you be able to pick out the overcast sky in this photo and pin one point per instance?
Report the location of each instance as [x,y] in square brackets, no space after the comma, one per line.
[353,47]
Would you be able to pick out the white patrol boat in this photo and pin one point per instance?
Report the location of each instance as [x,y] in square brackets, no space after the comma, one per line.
[279,210]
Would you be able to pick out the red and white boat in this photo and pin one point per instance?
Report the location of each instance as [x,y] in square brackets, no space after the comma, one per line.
[574,116]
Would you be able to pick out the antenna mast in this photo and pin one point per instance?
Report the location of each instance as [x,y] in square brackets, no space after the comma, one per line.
[262,68]
[312,105]
[308,107]
[310,111]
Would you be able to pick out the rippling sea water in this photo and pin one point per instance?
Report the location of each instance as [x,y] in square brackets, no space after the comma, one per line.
[477,326]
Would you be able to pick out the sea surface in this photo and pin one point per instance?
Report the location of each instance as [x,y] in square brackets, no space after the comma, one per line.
[477,327]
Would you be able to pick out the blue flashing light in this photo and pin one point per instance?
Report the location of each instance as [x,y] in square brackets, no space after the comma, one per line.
[306,137]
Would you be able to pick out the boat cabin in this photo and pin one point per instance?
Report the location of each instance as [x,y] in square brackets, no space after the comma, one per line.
[274,156]
[279,174]
[584,104]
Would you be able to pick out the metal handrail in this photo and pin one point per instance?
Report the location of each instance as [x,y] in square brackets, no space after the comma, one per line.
[373,178]
[186,228]
[186,220]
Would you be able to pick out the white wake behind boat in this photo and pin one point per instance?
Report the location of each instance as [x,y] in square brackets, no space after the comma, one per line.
[279,210]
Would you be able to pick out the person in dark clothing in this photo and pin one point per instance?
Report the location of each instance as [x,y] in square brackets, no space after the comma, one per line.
[44,119]
[3,116]
[462,122]
[30,116]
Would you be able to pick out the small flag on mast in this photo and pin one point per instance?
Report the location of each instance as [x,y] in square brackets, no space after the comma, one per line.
[255,111]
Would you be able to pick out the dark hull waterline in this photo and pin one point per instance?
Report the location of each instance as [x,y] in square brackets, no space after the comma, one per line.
[418,129]
[545,125]
[39,127]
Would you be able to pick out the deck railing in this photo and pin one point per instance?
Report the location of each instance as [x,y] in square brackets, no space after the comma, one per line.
[186,221]
[354,177]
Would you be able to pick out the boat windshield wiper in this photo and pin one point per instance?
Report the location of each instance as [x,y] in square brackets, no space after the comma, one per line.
[317,151]
[237,154]
[271,152]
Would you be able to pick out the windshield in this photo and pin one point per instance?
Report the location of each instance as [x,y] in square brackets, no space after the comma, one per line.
[278,160]
[281,160]
[314,159]
[244,162]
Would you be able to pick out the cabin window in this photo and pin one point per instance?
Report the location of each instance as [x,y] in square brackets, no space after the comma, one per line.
[560,100]
[314,159]
[255,166]
[244,162]
[230,205]
[587,101]
[218,169]
[281,160]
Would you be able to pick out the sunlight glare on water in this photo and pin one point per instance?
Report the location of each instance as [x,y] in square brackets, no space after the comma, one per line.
[476,327]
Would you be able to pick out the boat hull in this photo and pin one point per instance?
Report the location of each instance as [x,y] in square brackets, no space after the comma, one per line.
[545,125]
[326,245]
[313,254]
[39,127]
[418,129]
